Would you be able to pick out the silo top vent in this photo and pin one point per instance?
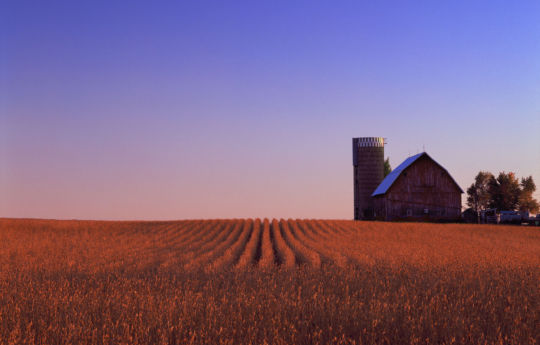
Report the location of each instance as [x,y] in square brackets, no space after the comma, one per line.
[370,142]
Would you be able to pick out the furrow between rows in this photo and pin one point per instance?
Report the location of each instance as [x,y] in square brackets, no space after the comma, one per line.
[233,252]
[248,256]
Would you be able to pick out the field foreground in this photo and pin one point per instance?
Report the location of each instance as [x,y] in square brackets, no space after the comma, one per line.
[274,282]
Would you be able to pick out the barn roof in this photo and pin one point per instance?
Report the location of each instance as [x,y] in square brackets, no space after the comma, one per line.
[392,177]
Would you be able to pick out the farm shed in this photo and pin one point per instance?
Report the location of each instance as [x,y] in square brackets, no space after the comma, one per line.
[418,188]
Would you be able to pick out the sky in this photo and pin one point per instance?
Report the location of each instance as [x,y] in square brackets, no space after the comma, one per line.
[230,109]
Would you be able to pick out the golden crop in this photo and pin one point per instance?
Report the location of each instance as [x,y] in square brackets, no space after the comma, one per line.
[267,282]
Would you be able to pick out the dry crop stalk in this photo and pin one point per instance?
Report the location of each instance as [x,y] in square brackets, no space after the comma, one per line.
[267,257]
[307,255]
[250,250]
[235,251]
[217,245]
[286,254]
[299,238]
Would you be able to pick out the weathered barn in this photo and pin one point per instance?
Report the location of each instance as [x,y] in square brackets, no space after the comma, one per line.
[419,188]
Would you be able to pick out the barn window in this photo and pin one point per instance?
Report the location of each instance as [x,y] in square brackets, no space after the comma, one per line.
[409,212]
[426,211]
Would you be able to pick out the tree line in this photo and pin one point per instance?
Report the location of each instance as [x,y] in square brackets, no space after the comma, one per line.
[504,193]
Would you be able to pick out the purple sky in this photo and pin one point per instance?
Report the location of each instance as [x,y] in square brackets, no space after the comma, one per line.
[217,110]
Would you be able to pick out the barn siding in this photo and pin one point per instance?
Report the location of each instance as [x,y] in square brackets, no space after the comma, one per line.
[422,186]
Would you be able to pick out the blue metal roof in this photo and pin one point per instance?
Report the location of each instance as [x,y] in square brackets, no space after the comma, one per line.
[392,177]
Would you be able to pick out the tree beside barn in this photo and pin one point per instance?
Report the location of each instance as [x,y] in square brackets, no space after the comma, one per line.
[502,193]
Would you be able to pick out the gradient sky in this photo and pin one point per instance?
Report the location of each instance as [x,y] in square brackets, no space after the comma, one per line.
[221,109]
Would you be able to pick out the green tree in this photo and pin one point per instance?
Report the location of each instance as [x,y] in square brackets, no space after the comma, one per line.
[387,167]
[504,191]
[526,200]
[478,196]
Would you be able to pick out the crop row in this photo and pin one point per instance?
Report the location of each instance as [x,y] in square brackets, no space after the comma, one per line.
[246,243]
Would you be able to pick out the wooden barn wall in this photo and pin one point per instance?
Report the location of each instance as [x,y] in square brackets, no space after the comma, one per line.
[422,186]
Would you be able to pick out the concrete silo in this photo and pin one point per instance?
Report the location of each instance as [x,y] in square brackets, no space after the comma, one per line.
[368,163]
